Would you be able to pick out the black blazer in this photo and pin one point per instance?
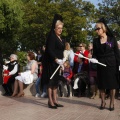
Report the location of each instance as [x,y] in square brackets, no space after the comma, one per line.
[110,55]
[54,48]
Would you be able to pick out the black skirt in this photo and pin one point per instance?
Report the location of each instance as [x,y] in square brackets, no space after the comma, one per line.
[107,77]
[48,70]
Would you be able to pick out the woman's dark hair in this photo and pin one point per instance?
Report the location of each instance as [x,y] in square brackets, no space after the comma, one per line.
[31,55]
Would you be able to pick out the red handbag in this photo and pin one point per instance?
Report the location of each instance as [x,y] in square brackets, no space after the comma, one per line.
[5,78]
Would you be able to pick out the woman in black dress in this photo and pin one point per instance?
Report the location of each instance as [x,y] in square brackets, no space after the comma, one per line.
[105,50]
[52,57]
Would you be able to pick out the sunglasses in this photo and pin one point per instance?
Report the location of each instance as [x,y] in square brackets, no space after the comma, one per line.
[97,28]
[80,46]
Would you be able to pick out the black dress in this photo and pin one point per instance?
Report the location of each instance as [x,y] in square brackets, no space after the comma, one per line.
[108,54]
[54,49]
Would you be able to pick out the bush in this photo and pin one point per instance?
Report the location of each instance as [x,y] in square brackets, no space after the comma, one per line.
[22,60]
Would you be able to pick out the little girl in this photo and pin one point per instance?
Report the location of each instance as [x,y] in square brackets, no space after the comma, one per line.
[66,78]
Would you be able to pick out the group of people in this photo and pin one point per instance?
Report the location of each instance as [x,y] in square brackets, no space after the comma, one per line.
[105,50]
[13,76]
[70,68]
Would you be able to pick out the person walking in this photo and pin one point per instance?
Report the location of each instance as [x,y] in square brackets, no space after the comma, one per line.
[105,50]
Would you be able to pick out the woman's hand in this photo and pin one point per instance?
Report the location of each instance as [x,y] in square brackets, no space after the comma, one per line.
[93,60]
[5,74]
[59,61]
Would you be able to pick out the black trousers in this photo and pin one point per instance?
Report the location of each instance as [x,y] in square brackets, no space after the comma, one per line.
[81,87]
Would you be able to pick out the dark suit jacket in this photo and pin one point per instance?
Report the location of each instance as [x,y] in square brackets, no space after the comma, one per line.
[110,55]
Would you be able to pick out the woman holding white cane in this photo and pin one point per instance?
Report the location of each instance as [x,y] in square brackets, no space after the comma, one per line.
[52,59]
[105,50]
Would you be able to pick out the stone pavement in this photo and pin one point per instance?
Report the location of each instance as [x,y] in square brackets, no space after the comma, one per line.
[31,108]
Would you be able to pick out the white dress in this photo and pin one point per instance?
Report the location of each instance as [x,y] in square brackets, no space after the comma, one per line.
[26,77]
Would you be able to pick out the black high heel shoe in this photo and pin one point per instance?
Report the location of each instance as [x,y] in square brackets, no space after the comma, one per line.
[111,108]
[102,107]
[50,106]
[58,105]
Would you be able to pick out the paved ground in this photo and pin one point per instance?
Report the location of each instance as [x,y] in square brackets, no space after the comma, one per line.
[31,108]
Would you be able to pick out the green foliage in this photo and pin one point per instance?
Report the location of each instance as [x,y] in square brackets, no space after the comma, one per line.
[10,24]
[26,23]
[22,58]
[35,26]
[110,11]
[38,18]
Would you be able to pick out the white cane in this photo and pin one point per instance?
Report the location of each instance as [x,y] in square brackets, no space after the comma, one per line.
[55,72]
[89,59]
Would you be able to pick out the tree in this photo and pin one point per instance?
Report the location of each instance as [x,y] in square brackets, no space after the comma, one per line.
[109,9]
[36,25]
[10,24]
[38,17]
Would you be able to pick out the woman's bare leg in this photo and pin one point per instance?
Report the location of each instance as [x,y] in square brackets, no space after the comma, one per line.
[21,93]
[15,88]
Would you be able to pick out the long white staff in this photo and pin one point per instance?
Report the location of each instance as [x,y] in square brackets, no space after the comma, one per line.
[89,59]
[64,59]
[55,72]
